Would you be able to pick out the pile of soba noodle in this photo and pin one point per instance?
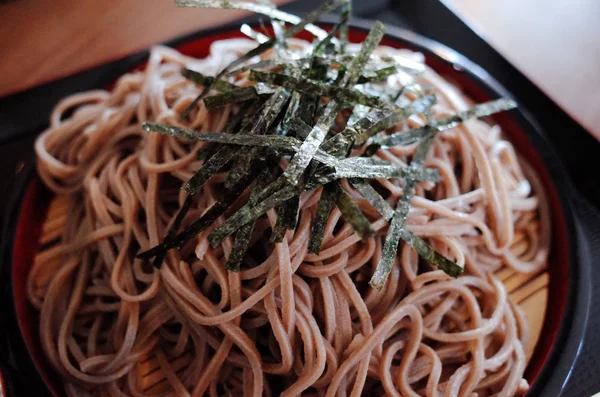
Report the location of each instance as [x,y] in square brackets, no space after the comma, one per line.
[291,322]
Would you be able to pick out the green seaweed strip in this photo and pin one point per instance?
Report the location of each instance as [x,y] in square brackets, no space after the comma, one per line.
[311,17]
[350,210]
[419,106]
[429,254]
[253,7]
[225,201]
[232,126]
[241,240]
[345,14]
[311,144]
[309,147]
[378,75]
[317,232]
[251,212]
[287,218]
[172,232]
[425,251]
[203,80]
[373,197]
[271,110]
[390,247]
[316,88]
[237,95]
[276,141]
[363,56]
[412,135]
[242,236]
[395,230]
[210,166]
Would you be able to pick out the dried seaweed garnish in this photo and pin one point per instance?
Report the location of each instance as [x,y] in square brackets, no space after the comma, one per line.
[236,95]
[317,232]
[287,218]
[314,139]
[425,251]
[350,210]
[396,228]
[226,199]
[419,106]
[413,135]
[259,9]
[253,34]
[301,25]
[242,236]
[348,169]
[319,156]
[270,110]
[377,76]
[316,88]
[204,80]
[373,197]
[250,212]
[345,13]
[172,232]
[276,141]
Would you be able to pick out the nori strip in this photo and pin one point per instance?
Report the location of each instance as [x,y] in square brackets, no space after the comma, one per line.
[395,230]
[412,135]
[418,106]
[373,197]
[242,236]
[228,197]
[287,218]
[345,14]
[324,208]
[253,34]
[390,246]
[363,56]
[314,139]
[350,210]
[270,111]
[278,142]
[172,232]
[250,212]
[210,166]
[301,25]
[378,75]
[237,95]
[253,7]
[207,81]
[315,88]
[345,169]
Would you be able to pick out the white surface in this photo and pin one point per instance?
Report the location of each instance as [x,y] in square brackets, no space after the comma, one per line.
[555,43]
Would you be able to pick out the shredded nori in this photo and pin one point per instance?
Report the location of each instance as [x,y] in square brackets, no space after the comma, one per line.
[316,88]
[317,232]
[350,210]
[287,218]
[283,114]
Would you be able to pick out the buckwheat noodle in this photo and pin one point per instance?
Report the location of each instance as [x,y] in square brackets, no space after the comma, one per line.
[291,322]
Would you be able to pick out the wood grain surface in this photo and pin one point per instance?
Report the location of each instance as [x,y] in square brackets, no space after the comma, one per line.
[44,40]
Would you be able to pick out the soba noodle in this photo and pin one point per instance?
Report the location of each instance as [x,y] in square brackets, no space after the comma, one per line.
[291,322]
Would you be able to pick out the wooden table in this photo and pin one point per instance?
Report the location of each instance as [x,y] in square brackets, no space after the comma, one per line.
[44,40]
[555,43]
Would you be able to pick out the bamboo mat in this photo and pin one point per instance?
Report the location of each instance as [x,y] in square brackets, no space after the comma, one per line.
[529,291]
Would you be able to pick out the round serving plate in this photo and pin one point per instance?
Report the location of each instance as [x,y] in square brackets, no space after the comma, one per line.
[556,300]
